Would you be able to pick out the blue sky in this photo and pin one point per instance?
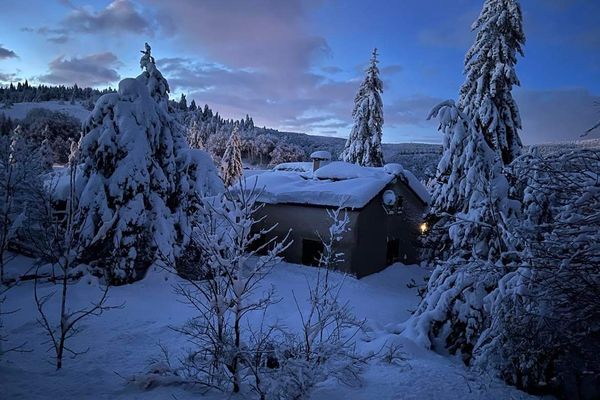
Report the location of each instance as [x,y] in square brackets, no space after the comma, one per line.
[296,64]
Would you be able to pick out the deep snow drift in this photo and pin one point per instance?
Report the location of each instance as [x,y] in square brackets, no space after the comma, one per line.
[121,342]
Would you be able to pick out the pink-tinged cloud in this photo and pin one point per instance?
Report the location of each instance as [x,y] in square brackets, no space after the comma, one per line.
[118,16]
[92,70]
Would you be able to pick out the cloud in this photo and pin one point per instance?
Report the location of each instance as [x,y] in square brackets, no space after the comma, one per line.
[406,120]
[556,115]
[269,35]
[118,16]
[6,53]
[547,116]
[263,62]
[58,39]
[92,70]
[266,61]
[411,110]
[55,35]
[8,77]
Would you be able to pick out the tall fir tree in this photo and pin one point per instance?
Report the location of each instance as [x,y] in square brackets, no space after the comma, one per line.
[486,95]
[194,135]
[231,163]
[183,103]
[46,154]
[468,192]
[468,239]
[363,146]
[138,178]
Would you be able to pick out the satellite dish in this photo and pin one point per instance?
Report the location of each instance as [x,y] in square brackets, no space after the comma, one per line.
[389,198]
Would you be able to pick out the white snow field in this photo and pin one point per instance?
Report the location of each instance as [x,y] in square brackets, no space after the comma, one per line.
[121,342]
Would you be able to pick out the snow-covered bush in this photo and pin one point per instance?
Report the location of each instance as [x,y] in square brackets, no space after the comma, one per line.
[545,316]
[363,146]
[136,192]
[228,296]
[20,168]
[54,238]
[326,346]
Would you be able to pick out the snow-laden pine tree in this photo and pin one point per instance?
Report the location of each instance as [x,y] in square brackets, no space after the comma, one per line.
[486,95]
[139,178]
[363,146]
[46,154]
[183,103]
[194,135]
[231,163]
[468,219]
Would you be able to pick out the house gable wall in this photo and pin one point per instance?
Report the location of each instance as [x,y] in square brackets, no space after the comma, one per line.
[304,223]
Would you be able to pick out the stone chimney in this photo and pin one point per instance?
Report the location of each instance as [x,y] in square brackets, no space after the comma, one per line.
[319,158]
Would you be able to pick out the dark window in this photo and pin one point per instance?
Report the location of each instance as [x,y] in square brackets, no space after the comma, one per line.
[393,251]
[311,251]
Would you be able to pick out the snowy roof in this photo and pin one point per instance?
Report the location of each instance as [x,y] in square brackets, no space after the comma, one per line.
[294,167]
[337,183]
[320,155]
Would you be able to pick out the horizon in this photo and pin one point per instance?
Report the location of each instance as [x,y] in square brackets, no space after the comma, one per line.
[296,66]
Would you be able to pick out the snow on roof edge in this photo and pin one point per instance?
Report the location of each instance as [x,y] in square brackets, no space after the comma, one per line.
[334,185]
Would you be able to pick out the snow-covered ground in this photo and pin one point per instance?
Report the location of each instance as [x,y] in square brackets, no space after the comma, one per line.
[20,110]
[121,342]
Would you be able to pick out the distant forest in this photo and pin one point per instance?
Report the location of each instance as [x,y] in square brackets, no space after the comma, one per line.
[24,92]
[205,129]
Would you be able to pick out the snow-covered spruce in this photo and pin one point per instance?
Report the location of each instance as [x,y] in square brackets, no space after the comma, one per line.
[470,212]
[470,201]
[363,147]
[194,135]
[486,96]
[231,163]
[138,179]
[46,155]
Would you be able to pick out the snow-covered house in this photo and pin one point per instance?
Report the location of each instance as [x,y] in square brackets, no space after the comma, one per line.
[384,205]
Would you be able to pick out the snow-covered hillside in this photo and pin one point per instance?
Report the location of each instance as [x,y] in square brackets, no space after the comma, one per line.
[123,341]
[20,110]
